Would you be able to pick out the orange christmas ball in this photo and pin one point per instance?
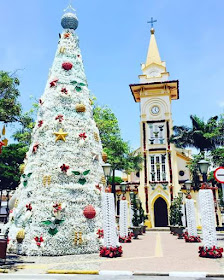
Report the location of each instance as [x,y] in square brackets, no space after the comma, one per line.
[89,212]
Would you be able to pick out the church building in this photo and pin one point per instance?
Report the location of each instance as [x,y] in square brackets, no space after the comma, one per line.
[165,167]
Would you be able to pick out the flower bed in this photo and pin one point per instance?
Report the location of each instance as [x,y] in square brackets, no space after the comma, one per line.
[192,239]
[210,252]
[112,252]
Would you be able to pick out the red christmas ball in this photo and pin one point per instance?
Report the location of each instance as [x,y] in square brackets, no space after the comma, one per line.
[89,212]
[67,66]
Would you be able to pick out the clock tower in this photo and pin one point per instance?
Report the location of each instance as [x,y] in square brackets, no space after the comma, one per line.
[159,177]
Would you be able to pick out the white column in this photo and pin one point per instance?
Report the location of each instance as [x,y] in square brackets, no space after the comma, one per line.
[109,223]
[207,210]
[123,221]
[191,219]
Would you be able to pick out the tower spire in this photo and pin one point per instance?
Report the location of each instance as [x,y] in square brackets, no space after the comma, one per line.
[153,52]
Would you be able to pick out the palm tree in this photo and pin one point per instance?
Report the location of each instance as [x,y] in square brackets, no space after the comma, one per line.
[202,135]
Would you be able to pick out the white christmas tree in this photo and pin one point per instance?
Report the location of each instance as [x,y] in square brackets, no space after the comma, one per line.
[57,209]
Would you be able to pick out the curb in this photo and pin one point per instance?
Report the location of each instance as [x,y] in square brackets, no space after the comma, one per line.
[4,271]
[73,272]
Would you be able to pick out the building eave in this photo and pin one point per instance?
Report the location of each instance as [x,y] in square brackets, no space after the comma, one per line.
[136,89]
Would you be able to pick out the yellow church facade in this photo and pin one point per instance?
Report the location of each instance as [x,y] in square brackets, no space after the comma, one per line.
[164,166]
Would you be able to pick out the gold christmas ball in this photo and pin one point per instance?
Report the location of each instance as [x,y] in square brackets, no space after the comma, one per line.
[96,136]
[104,156]
[80,108]
[22,168]
[20,236]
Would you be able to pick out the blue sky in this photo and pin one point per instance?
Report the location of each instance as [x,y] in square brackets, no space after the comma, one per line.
[114,37]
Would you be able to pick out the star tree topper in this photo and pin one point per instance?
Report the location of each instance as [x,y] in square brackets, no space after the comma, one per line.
[60,135]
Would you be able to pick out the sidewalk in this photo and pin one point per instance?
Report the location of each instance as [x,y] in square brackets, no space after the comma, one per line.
[153,252]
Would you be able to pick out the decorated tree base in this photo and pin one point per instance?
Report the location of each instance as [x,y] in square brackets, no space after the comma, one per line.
[126,239]
[112,252]
[191,239]
[210,252]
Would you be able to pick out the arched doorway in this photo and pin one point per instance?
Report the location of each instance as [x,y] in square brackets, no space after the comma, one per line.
[160,213]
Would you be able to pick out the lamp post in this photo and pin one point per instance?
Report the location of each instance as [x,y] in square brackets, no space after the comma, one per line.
[123,187]
[107,171]
[207,209]
[203,167]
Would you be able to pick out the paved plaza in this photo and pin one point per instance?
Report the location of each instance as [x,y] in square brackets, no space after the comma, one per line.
[155,251]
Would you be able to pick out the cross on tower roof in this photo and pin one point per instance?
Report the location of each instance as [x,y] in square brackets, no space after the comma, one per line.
[152,21]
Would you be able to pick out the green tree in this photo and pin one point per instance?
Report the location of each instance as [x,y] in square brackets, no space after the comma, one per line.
[11,158]
[201,135]
[217,156]
[119,153]
[10,107]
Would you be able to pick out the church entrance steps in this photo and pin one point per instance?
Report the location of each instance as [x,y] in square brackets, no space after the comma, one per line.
[158,229]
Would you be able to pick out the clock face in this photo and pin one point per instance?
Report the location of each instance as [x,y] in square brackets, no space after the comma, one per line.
[155,110]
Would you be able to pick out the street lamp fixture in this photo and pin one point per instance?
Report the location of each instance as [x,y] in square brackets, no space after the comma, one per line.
[187,185]
[107,170]
[138,203]
[132,195]
[203,166]
[123,187]
[180,194]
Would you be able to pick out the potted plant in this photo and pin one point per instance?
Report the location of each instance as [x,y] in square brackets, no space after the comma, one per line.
[136,218]
[176,226]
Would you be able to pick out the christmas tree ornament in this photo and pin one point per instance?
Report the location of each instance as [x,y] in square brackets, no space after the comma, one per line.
[29,207]
[80,108]
[5,142]
[67,66]
[104,156]
[28,212]
[53,83]
[46,180]
[39,240]
[80,238]
[64,90]
[103,180]
[60,135]
[62,49]
[16,203]
[25,179]
[60,118]
[83,136]
[1,145]
[76,238]
[64,168]
[96,136]
[22,168]
[69,21]
[41,102]
[40,123]
[89,212]
[35,148]
[53,224]
[3,130]
[91,101]
[20,235]
[81,180]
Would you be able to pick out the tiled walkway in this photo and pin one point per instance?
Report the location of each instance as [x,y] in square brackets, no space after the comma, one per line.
[152,252]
